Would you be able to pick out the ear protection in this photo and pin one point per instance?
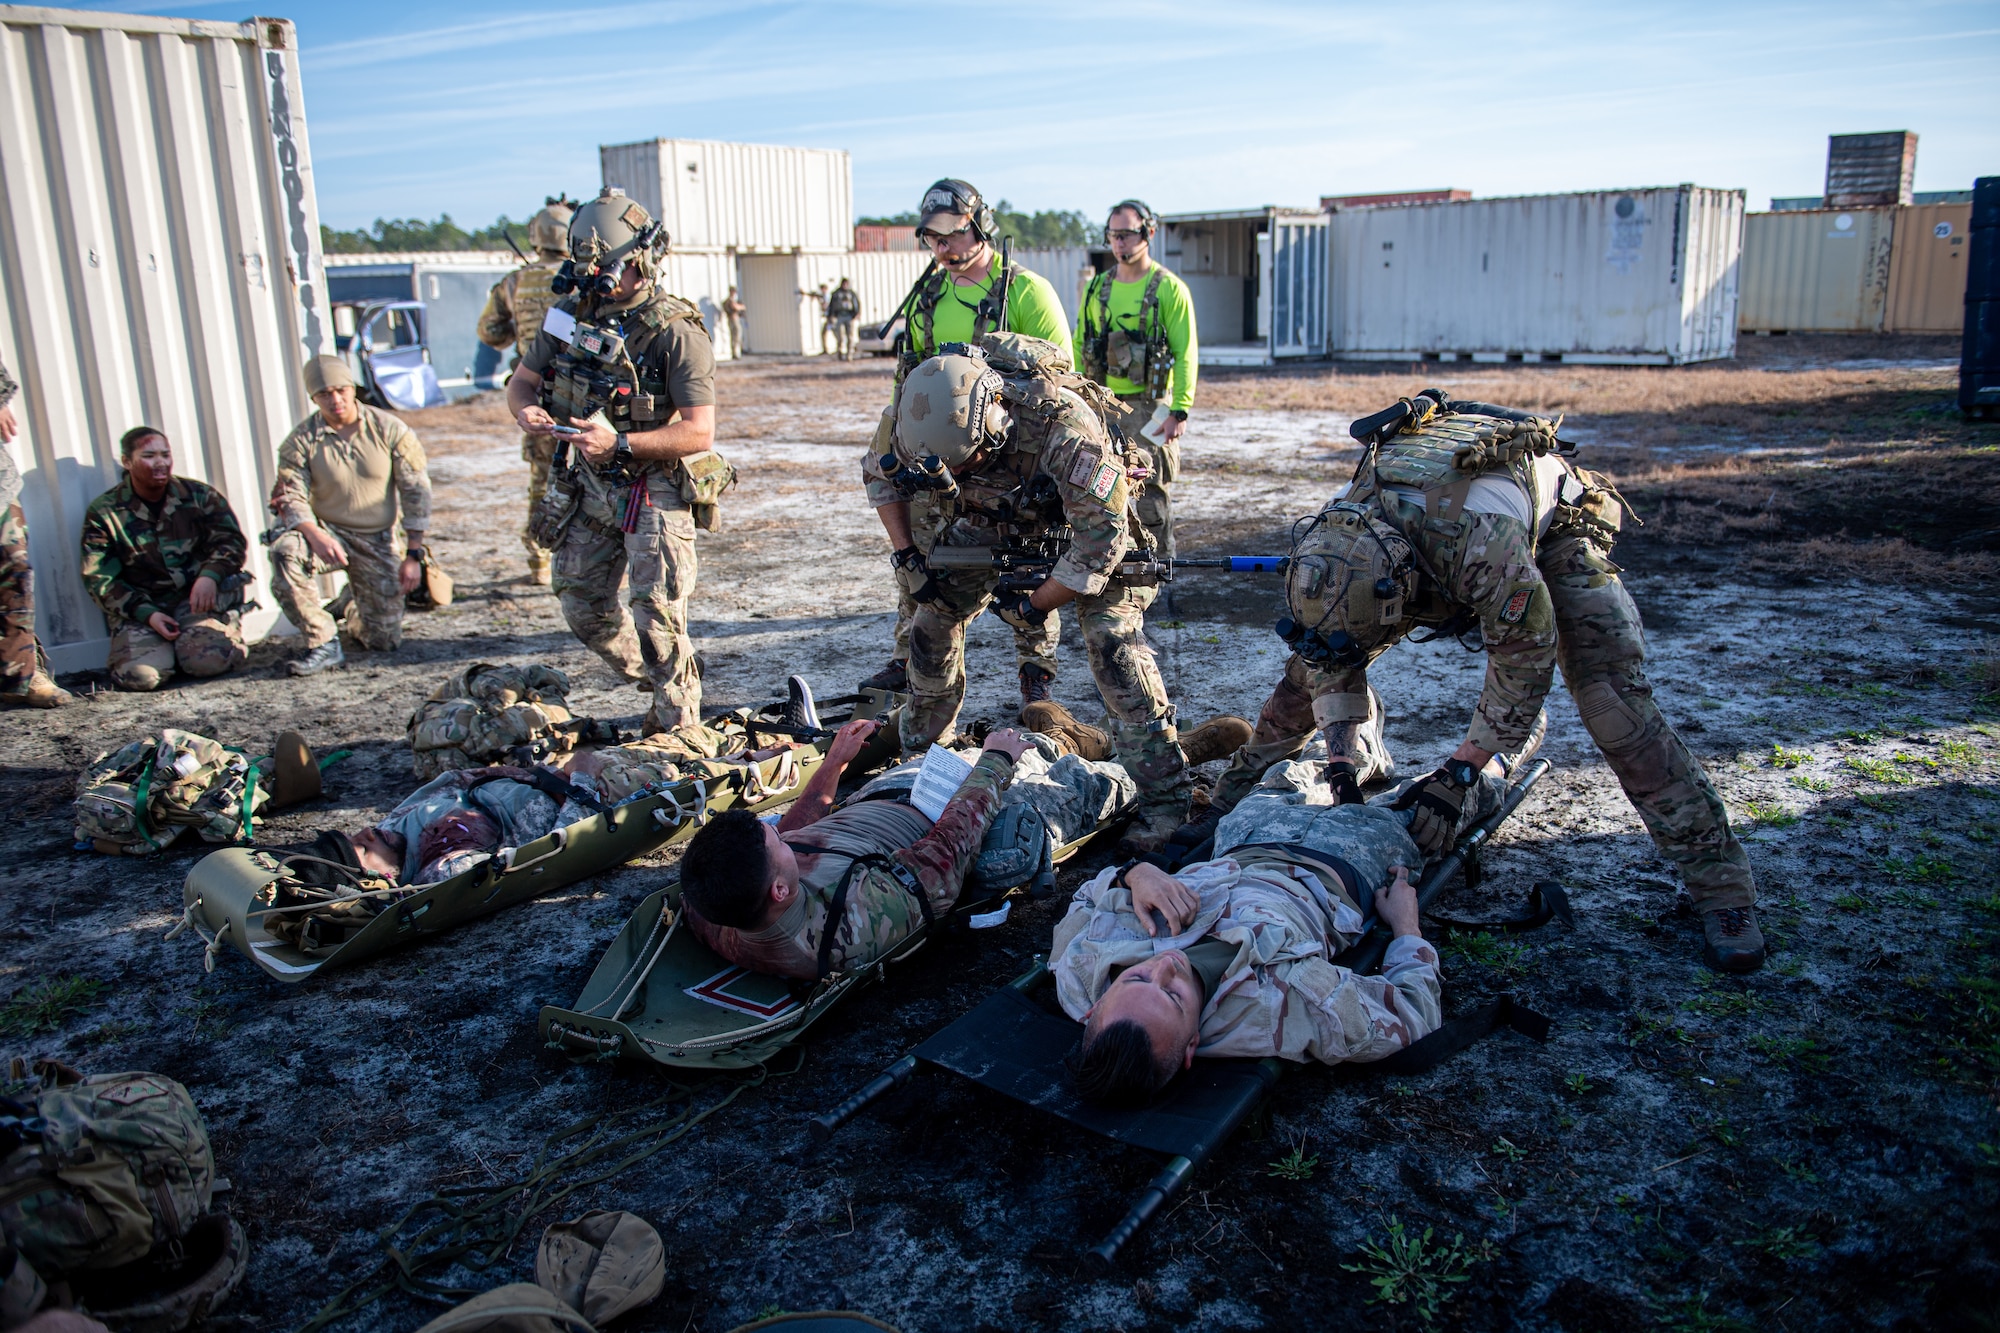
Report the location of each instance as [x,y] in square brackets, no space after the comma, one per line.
[1149,221]
[956,196]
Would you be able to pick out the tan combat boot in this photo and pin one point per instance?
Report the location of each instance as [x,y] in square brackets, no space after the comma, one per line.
[39,691]
[538,568]
[1733,942]
[1051,719]
[1217,738]
[294,774]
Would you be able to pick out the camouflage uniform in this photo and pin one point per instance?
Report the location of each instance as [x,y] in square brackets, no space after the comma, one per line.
[641,528]
[19,651]
[1541,602]
[1067,446]
[139,558]
[317,472]
[513,316]
[484,711]
[881,907]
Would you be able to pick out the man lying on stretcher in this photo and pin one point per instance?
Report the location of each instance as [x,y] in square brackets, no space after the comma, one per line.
[761,896]
[1231,957]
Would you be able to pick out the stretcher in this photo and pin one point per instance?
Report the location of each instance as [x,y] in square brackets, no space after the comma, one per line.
[1017,1042]
[231,898]
[659,994]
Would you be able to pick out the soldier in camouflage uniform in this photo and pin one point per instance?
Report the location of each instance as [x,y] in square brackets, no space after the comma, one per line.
[762,896]
[163,556]
[23,681]
[630,385]
[1471,516]
[1028,455]
[343,475]
[512,317]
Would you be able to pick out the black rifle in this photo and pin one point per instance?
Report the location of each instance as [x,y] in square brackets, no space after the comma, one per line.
[1025,568]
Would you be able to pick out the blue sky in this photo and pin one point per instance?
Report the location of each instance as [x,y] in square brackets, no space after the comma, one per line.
[477,110]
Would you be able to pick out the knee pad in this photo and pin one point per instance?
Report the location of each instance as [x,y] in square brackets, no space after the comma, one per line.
[1610,717]
[207,652]
[137,677]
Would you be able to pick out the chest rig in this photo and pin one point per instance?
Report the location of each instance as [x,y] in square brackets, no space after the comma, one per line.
[919,342]
[532,298]
[1140,355]
[605,367]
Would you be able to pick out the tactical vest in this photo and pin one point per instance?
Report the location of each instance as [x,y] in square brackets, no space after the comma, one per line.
[532,299]
[843,303]
[920,310]
[484,713]
[1145,359]
[600,368]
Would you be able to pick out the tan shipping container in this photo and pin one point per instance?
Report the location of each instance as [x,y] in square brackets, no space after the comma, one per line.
[159,264]
[1820,270]
[1927,266]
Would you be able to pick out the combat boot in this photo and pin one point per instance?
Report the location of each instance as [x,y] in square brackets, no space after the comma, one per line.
[1734,944]
[895,677]
[1051,719]
[323,658]
[1153,828]
[294,773]
[538,568]
[1217,738]
[38,691]
[1034,686]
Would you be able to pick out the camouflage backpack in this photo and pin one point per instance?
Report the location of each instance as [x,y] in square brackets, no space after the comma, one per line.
[97,1171]
[139,798]
[486,713]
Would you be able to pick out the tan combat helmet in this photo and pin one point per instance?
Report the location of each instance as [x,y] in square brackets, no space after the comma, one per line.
[548,230]
[949,406]
[612,228]
[1348,587]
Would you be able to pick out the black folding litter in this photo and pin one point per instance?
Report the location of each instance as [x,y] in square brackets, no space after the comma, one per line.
[1013,1045]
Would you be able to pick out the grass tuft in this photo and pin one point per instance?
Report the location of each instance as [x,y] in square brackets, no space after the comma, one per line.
[47,1006]
[1417,1271]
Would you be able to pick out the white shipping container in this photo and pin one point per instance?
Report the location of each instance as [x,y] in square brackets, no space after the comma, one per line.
[159,264]
[738,196]
[1068,269]
[1817,271]
[1634,277]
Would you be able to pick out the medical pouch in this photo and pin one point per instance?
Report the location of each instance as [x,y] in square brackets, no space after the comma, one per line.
[703,479]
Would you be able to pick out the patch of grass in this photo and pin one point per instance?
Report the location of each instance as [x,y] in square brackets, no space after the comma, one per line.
[1799,1052]
[1880,770]
[1295,1165]
[1783,758]
[1724,1133]
[1850,902]
[1770,814]
[1507,1148]
[1724,1003]
[1911,898]
[1923,868]
[1807,782]
[1797,1169]
[1505,956]
[1877,801]
[1869,689]
[1868,737]
[1957,754]
[1692,1314]
[46,1006]
[1578,1084]
[1781,1243]
[1418,1271]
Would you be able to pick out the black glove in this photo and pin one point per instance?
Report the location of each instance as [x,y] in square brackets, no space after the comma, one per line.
[1018,608]
[1436,802]
[1345,781]
[913,572]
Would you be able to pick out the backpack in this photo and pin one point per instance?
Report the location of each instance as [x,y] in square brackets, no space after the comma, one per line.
[1036,374]
[485,713]
[98,1171]
[137,799]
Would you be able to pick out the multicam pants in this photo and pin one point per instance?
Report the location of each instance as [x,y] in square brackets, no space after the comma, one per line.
[1128,678]
[374,576]
[539,452]
[651,643]
[17,602]
[843,337]
[1151,499]
[208,646]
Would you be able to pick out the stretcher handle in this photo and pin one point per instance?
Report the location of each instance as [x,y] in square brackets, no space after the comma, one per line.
[1163,1187]
[823,1126]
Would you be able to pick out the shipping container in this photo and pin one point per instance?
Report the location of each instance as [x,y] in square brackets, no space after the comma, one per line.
[1257,279]
[874,237]
[159,264]
[1928,261]
[1870,170]
[1068,268]
[453,285]
[1818,271]
[1329,202]
[738,196]
[1628,277]
[782,317]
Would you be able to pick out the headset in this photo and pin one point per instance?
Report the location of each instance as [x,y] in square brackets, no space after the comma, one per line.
[1149,221]
[951,195]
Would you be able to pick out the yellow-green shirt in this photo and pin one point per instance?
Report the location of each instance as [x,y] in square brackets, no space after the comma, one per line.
[1033,308]
[1176,314]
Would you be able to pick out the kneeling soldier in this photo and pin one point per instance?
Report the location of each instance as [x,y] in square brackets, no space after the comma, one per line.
[163,556]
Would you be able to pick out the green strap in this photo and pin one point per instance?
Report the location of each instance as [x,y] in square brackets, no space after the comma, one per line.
[247,820]
[333,759]
[142,797]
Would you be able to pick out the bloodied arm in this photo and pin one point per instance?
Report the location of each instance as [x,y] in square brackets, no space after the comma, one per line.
[1090,478]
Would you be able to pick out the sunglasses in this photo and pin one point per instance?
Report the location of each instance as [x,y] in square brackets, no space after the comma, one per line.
[1125,234]
[933,239]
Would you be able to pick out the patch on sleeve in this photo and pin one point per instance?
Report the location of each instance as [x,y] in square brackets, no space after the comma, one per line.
[1080,470]
[1104,481]
[1516,608]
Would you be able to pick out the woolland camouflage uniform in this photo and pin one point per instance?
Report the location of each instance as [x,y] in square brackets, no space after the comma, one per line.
[1544,593]
[1056,446]
[141,558]
[634,525]
[109,1167]
[483,713]
[138,798]
[513,316]
[897,868]
[19,651]
[359,488]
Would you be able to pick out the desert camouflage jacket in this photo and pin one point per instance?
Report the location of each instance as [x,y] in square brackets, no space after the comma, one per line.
[139,558]
[1280,996]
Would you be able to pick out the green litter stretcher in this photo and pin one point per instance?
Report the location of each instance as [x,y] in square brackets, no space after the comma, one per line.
[230,895]
[660,994]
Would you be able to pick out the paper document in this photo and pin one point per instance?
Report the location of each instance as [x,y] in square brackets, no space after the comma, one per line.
[938,781]
[1155,429]
[560,324]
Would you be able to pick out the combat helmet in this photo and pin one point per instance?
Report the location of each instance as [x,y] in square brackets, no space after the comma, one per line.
[949,408]
[548,230]
[603,235]
[1349,587]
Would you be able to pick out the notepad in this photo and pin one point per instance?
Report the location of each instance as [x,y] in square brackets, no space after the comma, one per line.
[942,774]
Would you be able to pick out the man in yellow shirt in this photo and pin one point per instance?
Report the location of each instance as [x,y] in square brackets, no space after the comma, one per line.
[1135,335]
[959,300]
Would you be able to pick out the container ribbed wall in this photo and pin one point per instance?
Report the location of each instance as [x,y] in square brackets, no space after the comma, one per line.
[1817,271]
[1928,258]
[159,263]
[738,196]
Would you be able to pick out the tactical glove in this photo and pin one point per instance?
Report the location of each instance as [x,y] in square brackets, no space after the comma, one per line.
[1345,781]
[913,572]
[1436,801]
[1018,609]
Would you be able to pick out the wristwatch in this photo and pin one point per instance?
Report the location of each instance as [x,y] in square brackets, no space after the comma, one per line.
[621,452]
[1178,414]
[1461,773]
[415,553]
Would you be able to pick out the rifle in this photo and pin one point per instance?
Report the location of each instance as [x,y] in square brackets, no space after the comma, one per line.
[507,235]
[1025,568]
[1006,287]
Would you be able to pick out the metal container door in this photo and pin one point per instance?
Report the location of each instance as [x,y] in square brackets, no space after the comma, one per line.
[1298,285]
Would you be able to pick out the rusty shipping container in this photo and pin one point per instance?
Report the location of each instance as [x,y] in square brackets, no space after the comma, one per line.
[159,264]
[1870,170]
[738,196]
[1928,260]
[1632,277]
[1816,271]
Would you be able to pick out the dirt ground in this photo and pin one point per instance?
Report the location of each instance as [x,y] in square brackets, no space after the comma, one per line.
[1814,1147]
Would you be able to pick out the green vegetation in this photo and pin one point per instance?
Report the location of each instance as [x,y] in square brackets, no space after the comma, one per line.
[1957,754]
[1783,758]
[1923,868]
[1692,1313]
[1578,1084]
[1719,1000]
[1782,1243]
[47,1006]
[1850,902]
[1047,228]
[395,235]
[1412,1270]
[1506,956]
[1507,1148]
[1295,1165]
[1807,782]
[1770,814]
[1799,1052]
[1880,770]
